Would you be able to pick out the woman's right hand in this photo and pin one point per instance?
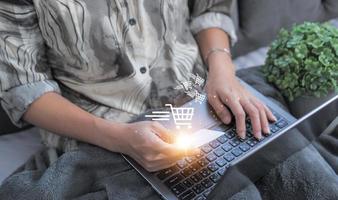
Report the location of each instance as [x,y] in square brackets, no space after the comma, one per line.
[151,145]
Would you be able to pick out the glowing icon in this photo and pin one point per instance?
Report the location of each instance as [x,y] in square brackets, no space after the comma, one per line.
[191,88]
[159,116]
[186,86]
[197,79]
[182,116]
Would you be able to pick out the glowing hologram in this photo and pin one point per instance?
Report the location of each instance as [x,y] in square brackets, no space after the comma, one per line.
[159,116]
[182,116]
[191,88]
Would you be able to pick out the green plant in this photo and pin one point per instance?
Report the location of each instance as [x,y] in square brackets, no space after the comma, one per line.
[304,61]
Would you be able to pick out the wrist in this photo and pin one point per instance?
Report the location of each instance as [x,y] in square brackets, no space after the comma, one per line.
[109,134]
[221,64]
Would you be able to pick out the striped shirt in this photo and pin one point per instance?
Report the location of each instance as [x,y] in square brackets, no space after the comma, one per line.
[113,58]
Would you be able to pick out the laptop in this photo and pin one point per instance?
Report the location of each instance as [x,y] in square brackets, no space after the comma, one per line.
[226,159]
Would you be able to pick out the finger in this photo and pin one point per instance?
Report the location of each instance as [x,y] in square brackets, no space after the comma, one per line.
[237,110]
[164,133]
[221,110]
[269,114]
[171,150]
[253,113]
[263,117]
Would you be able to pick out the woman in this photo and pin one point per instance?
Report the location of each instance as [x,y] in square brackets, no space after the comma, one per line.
[81,69]
[113,60]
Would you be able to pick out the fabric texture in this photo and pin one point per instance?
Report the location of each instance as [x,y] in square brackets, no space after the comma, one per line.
[90,172]
[259,21]
[94,53]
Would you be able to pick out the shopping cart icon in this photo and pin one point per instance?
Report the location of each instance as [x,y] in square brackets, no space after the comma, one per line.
[182,116]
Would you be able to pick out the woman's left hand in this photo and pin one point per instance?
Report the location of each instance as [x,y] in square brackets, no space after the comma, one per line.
[227,95]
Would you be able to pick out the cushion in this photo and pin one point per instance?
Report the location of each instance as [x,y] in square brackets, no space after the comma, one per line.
[260,20]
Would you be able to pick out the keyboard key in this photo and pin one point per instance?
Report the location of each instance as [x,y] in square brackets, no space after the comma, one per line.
[252,142]
[198,188]
[215,177]
[219,152]
[244,147]
[213,167]
[205,172]
[237,152]
[207,183]
[190,159]
[221,171]
[188,183]
[222,139]
[200,155]
[178,189]
[230,134]
[196,178]
[229,157]
[273,128]
[207,192]
[249,134]
[226,147]
[214,144]
[221,162]
[206,148]
[188,195]
[235,142]
[195,167]
[182,163]
[211,157]
[165,173]
[174,180]
[203,162]
[243,140]
[282,123]
[186,172]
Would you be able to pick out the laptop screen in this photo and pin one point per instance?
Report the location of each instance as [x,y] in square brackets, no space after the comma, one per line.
[309,132]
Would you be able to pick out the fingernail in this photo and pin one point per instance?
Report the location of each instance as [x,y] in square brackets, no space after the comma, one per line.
[242,135]
[258,135]
[267,130]
[274,119]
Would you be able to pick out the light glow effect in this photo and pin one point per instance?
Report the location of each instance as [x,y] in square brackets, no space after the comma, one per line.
[183,140]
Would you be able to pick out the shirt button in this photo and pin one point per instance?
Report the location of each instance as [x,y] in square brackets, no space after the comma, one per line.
[132,21]
[143,70]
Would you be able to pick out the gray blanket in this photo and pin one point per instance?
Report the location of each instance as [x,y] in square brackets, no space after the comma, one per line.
[90,172]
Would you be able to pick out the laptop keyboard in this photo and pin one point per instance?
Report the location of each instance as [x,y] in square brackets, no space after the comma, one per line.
[195,177]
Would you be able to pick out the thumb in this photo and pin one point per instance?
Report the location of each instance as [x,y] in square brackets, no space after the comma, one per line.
[164,133]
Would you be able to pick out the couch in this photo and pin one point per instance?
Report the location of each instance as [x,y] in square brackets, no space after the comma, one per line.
[257,23]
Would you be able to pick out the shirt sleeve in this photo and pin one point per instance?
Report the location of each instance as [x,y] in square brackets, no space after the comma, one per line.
[24,73]
[212,14]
